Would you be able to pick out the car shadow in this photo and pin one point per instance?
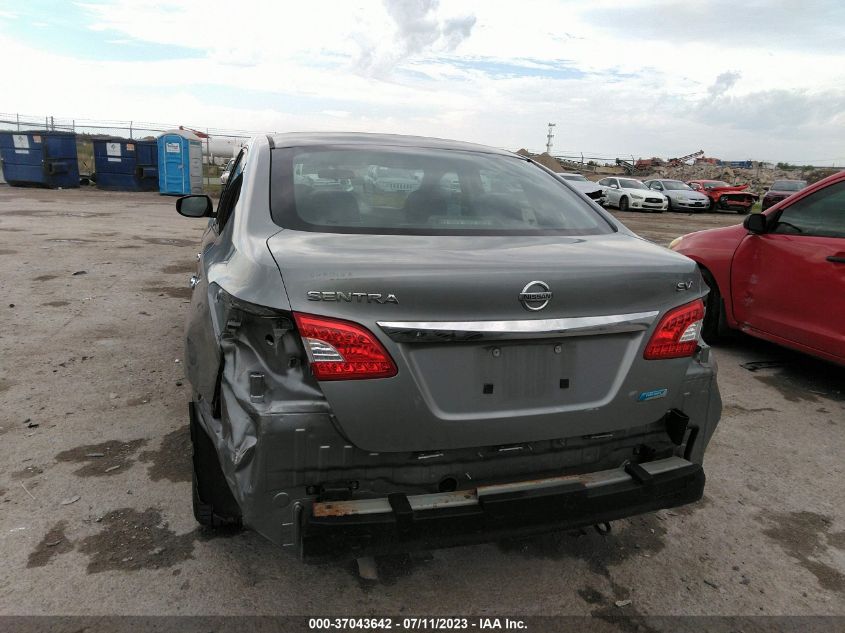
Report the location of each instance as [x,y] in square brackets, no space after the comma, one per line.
[797,376]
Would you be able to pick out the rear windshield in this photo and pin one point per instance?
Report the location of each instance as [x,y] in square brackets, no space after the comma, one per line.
[416,191]
[788,185]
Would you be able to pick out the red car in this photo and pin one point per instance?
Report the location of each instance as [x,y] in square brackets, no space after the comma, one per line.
[725,196]
[781,189]
[780,275]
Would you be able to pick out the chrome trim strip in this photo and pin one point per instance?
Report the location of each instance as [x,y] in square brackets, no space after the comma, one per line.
[426,331]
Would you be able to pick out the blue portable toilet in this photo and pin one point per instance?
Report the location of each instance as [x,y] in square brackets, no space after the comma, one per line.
[125,164]
[179,163]
[39,158]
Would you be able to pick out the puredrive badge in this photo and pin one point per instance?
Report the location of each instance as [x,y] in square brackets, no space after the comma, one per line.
[654,394]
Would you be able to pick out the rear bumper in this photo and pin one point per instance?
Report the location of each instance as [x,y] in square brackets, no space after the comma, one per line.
[403,523]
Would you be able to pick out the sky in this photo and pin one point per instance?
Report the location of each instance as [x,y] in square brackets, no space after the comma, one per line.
[740,80]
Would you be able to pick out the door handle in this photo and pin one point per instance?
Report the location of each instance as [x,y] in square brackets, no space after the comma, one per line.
[837,259]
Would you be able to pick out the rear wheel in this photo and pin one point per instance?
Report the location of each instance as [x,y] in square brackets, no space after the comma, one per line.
[213,502]
[623,203]
[715,327]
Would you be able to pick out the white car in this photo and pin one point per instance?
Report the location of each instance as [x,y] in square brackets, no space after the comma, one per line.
[591,189]
[629,194]
[224,177]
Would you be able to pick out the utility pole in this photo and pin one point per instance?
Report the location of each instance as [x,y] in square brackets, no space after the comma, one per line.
[207,158]
[549,137]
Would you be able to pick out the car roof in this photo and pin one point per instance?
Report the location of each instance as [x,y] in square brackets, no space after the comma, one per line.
[310,139]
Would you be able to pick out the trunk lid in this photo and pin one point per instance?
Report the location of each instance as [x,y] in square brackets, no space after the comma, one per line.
[476,368]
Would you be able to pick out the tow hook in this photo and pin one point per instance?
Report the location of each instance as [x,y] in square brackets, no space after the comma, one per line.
[603,528]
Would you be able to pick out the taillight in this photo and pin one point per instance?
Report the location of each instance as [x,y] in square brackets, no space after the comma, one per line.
[342,350]
[677,333]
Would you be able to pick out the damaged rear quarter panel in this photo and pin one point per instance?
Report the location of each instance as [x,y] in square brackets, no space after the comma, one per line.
[241,267]
[225,345]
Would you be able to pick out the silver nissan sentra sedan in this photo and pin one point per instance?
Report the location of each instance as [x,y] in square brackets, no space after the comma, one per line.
[483,353]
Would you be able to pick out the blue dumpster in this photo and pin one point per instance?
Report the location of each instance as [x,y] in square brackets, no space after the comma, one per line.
[179,163]
[39,158]
[125,164]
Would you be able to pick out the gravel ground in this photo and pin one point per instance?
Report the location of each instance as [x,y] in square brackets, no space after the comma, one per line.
[95,513]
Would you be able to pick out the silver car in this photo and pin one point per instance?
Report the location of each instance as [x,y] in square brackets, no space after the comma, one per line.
[486,355]
[681,196]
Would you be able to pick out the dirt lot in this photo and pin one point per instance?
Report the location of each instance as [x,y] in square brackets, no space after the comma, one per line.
[95,513]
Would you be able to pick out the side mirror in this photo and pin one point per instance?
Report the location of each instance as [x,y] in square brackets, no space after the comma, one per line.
[197,206]
[755,223]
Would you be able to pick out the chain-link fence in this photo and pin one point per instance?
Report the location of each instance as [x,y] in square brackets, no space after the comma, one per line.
[127,129]
[218,144]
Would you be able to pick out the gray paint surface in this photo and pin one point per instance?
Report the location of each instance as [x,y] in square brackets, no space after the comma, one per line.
[302,431]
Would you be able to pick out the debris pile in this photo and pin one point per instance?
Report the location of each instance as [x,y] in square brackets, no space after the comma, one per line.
[759,176]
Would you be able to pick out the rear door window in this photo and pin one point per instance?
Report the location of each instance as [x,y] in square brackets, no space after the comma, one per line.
[422,191]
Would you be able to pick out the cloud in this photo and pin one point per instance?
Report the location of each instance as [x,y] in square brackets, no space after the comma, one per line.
[776,111]
[777,24]
[417,27]
[456,30]
[340,114]
[491,72]
[724,82]
[417,30]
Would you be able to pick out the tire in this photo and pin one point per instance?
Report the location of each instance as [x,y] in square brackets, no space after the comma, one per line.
[715,328]
[623,203]
[213,503]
